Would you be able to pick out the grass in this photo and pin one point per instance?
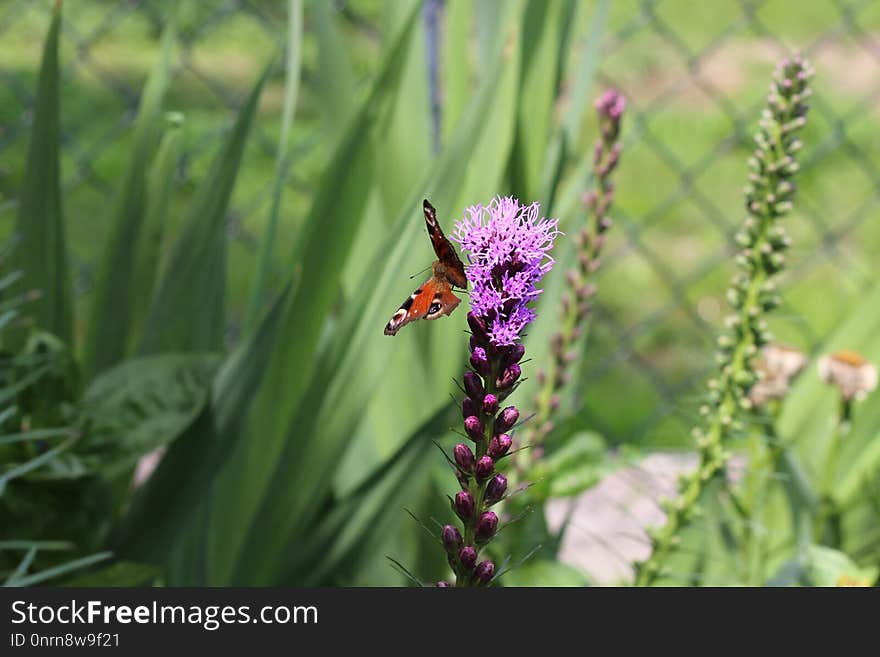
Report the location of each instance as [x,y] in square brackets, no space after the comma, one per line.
[661,287]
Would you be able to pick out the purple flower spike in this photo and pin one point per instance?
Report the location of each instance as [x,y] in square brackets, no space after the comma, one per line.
[499,445]
[464,457]
[474,428]
[506,419]
[484,468]
[442,585]
[451,538]
[464,505]
[507,247]
[484,572]
[468,557]
[486,526]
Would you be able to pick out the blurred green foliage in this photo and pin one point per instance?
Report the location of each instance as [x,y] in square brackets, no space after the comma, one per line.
[293,440]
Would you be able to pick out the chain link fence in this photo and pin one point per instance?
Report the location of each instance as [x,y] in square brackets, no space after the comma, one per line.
[695,75]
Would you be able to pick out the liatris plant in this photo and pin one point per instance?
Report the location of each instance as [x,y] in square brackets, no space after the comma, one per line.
[769,196]
[507,248]
[575,304]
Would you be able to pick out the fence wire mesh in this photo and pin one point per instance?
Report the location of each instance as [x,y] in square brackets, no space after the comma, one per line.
[695,76]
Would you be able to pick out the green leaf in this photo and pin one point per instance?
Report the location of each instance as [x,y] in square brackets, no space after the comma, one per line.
[59,571]
[335,80]
[828,567]
[160,187]
[113,304]
[259,288]
[41,251]
[543,28]
[197,264]
[141,405]
[573,468]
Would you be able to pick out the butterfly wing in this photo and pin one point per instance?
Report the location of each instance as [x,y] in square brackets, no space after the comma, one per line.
[432,300]
[443,248]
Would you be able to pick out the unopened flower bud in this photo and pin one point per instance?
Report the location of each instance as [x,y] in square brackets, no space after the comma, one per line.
[512,354]
[498,446]
[468,407]
[484,572]
[490,404]
[468,557]
[484,468]
[451,538]
[496,488]
[464,457]
[474,428]
[473,385]
[478,328]
[480,362]
[506,419]
[486,526]
[509,376]
[464,505]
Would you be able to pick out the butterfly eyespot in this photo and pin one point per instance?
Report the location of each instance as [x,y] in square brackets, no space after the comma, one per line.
[435,308]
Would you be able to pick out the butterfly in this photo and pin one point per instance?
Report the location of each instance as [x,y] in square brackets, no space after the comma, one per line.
[434,297]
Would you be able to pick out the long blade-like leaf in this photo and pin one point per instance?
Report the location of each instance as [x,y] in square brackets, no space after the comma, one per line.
[41,252]
[197,265]
[259,289]
[113,303]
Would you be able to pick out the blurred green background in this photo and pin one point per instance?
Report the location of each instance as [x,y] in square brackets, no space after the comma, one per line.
[694,75]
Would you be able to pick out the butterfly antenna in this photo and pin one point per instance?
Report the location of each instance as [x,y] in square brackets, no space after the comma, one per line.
[419,273]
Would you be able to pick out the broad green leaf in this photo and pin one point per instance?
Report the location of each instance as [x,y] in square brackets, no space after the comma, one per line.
[259,288]
[141,405]
[113,304]
[41,251]
[197,264]
[828,567]
[162,510]
[573,468]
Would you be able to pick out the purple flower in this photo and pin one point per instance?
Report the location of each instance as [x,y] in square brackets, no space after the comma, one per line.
[507,247]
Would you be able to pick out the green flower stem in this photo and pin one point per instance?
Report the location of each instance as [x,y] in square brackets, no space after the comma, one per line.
[826,529]
[768,197]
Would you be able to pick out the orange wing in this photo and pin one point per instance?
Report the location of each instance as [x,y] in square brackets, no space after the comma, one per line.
[432,300]
[444,249]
